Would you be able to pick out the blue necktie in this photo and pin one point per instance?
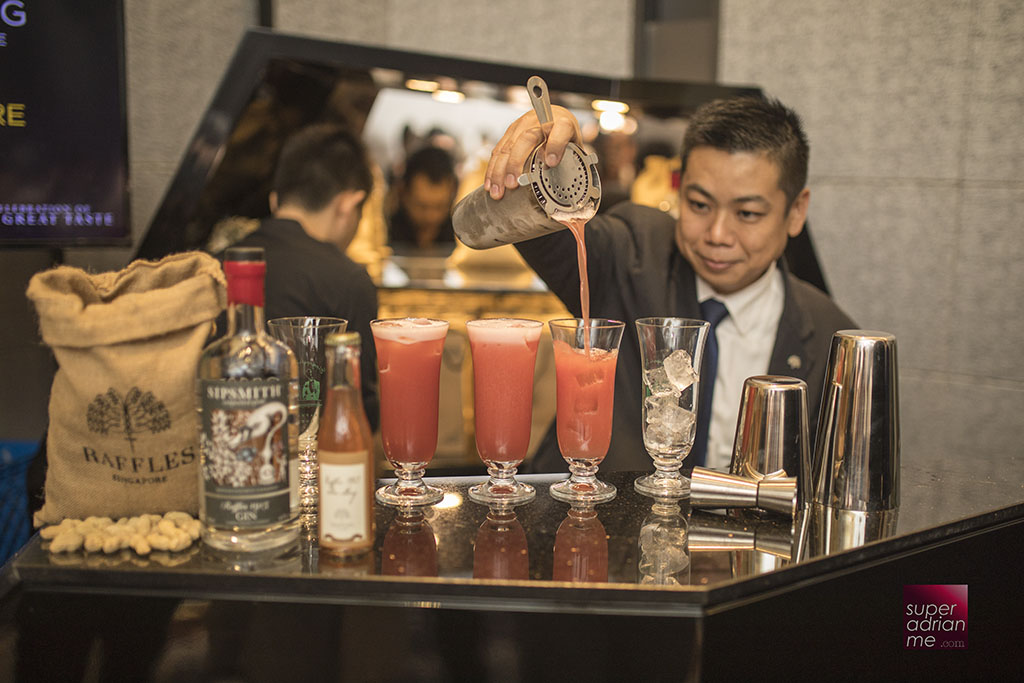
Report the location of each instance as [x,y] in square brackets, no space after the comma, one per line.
[714,311]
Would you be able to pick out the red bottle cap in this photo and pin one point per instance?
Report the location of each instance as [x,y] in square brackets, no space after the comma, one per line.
[245,282]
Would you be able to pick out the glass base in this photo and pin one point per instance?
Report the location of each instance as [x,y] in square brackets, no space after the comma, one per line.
[258,541]
[580,490]
[502,493]
[407,493]
[660,484]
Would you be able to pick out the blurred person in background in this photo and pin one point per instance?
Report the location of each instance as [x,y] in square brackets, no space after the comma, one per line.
[425,194]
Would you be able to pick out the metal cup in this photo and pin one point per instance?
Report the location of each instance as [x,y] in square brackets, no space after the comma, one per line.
[857,451]
[772,437]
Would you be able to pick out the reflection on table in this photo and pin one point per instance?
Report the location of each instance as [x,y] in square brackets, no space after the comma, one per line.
[658,544]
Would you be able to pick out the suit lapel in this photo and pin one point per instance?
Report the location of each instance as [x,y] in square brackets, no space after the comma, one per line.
[790,356]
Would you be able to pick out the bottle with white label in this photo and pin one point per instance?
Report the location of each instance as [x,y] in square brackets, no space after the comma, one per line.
[246,392]
[345,452]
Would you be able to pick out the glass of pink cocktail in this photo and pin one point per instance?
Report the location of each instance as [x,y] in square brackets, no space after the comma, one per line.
[409,367]
[585,358]
[504,353]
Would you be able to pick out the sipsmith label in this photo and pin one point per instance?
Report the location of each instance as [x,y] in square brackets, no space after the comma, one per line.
[244,449]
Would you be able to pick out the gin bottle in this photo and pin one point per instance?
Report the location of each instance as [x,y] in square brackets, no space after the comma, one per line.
[246,391]
[345,454]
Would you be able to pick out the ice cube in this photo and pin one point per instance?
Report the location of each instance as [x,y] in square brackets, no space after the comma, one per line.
[657,381]
[679,369]
[669,430]
[658,438]
[589,377]
[664,408]
[585,404]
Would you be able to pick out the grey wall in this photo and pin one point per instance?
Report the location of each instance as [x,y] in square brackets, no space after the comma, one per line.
[915,112]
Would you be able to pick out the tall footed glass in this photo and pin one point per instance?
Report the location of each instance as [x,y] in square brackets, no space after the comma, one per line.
[670,355]
[585,358]
[409,367]
[306,336]
[504,354]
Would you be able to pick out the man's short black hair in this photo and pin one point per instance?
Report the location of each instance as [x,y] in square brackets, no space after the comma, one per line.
[433,162]
[318,163]
[753,124]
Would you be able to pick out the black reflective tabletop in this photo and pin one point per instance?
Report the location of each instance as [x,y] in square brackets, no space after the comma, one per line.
[632,555]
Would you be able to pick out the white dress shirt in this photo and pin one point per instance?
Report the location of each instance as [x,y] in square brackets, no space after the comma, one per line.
[746,338]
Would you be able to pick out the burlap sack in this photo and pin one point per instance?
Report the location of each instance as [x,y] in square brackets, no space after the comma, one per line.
[123,435]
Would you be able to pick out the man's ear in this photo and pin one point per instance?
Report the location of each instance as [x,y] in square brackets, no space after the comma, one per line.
[273,201]
[348,201]
[798,213]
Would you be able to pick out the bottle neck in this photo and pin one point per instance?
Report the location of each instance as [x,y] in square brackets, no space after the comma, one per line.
[343,368]
[245,296]
[245,318]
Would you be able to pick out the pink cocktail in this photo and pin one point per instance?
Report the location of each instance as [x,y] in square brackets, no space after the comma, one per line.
[504,353]
[585,359]
[586,395]
[409,367]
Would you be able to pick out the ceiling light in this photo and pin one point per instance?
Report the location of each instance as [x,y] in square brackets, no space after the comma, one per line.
[448,96]
[610,105]
[422,86]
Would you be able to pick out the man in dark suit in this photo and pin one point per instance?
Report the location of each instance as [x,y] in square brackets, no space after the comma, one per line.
[743,195]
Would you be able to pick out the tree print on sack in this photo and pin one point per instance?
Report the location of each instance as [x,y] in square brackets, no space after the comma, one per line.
[136,412]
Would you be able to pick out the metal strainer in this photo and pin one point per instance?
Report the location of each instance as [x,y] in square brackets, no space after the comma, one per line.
[572,189]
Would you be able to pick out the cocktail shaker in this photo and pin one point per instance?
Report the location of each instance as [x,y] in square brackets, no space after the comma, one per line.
[770,467]
[548,196]
[772,437]
[857,451]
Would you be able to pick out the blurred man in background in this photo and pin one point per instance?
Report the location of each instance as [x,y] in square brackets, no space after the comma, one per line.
[322,178]
[426,192]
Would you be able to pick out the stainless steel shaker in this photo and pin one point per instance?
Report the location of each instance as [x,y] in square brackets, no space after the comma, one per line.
[772,437]
[547,195]
[770,467]
[857,450]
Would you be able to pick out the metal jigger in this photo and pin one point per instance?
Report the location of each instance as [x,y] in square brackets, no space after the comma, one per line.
[857,452]
[772,437]
[712,489]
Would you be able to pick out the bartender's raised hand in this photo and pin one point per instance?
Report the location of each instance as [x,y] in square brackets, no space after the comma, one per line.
[510,154]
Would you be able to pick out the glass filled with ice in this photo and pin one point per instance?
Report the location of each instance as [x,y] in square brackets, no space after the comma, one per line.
[670,356]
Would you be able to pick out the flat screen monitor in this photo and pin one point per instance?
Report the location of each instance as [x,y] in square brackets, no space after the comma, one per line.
[63,149]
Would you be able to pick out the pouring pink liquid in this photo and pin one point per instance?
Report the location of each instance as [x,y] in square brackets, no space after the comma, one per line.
[576,227]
